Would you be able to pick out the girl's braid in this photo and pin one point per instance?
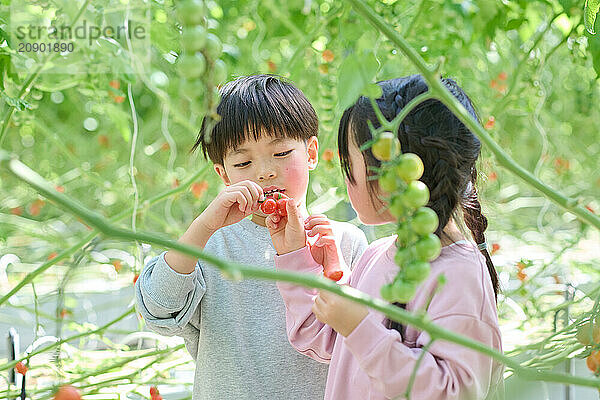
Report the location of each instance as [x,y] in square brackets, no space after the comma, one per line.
[477,224]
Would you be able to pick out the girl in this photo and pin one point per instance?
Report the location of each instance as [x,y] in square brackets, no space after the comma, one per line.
[370,357]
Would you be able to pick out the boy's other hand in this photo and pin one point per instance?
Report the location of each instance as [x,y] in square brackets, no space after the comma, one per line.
[233,204]
[287,232]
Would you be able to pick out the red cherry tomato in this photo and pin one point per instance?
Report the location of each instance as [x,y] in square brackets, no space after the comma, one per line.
[281,206]
[333,274]
[67,392]
[21,368]
[269,206]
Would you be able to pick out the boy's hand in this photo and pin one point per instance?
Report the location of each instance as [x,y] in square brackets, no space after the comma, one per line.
[324,250]
[287,232]
[233,204]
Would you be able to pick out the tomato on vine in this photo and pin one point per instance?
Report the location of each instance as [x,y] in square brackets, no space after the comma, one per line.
[410,167]
[21,368]
[403,291]
[593,361]
[191,12]
[191,66]
[386,147]
[416,195]
[588,334]
[424,221]
[428,248]
[417,271]
[67,392]
[194,38]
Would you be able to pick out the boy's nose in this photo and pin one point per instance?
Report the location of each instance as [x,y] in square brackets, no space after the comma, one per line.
[266,175]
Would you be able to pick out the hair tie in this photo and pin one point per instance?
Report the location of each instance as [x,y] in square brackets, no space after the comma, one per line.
[482,246]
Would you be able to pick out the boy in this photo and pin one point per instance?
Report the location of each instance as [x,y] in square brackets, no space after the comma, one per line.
[264,142]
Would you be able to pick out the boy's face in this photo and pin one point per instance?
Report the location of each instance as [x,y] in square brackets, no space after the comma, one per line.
[275,163]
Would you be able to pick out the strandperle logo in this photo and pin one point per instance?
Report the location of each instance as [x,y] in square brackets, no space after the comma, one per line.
[72,36]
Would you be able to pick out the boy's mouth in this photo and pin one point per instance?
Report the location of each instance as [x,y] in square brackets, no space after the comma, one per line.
[271,190]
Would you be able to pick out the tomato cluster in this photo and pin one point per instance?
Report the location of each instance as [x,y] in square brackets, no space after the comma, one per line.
[199,64]
[407,197]
[276,202]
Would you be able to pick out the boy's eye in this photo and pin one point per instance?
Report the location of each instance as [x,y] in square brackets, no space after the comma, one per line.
[285,153]
[241,164]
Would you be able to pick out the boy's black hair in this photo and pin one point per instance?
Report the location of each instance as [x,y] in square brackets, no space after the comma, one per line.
[447,147]
[253,106]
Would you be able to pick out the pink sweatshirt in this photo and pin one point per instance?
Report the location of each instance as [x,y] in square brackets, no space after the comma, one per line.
[374,362]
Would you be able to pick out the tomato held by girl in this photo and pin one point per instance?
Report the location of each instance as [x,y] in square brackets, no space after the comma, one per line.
[370,357]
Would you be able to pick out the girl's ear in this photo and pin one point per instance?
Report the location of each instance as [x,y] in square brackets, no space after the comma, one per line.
[220,170]
[312,148]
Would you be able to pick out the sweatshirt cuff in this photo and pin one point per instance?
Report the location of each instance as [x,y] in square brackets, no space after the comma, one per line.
[367,335]
[300,260]
[169,287]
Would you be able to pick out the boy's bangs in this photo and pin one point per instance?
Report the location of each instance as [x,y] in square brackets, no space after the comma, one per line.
[252,107]
[253,117]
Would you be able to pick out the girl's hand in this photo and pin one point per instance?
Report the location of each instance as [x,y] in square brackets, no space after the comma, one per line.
[324,250]
[287,232]
[233,204]
[338,312]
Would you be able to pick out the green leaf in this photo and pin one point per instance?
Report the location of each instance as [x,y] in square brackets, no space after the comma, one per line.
[589,14]
[356,78]
[350,82]
[594,49]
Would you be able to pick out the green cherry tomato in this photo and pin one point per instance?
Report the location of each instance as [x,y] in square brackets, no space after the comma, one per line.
[405,234]
[403,291]
[416,271]
[416,195]
[403,256]
[386,147]
[213,48]
[410,167]
[388,182]
[191,12]
[588,334]
[219,72]
[386,293]
[424,221]
[397,208]
[428,248]
[192,66]
[193,38]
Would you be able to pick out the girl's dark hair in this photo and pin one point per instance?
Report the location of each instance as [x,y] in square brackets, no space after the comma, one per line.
[447,147]
[252,106]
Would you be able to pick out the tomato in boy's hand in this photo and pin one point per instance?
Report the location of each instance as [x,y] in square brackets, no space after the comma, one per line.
[281,206]
[269,206]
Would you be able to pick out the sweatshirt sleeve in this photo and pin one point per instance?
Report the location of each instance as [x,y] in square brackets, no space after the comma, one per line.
[167,299]
[306,334]
[446,371]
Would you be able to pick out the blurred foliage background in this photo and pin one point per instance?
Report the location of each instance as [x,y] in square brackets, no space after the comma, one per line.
[107,137]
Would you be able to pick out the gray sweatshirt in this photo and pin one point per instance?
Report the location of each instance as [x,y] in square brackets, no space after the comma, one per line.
[236,331]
